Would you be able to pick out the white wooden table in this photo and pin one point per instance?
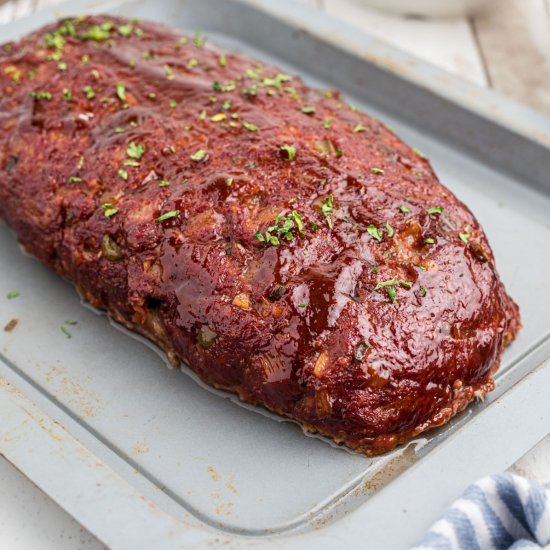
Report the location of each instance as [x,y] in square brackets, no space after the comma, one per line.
[507,49]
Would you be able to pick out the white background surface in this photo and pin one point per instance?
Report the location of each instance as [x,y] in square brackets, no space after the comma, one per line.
[507,49]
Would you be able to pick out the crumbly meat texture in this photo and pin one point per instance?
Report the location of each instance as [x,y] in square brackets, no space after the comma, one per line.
[284,245]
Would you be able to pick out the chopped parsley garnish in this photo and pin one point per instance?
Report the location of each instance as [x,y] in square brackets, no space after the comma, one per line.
[222,60]
[66,332]
[338,152]
[13,294]
[429,240]
[108,209]
[121,91]
[71,322]
[169,72]
[131,162]
[226,105]
[389,229]
[327,209]
[289,150]
[250,127]
[123,174]
[218,117]
[302,305]
[392,294]
[74,179]
[216,86]
[377,170]
[125,30]
[67,94]
[202,115]
[308,110]
[375,270]
[435,210]
[374,232]
[173,103]
[42,95]
[62,66]
[192,63]
[404,208]
[198,40]
[229,182]
[423,291]
[168,215]
[164,183]
[135,151]
[327,122]
[465,237]
[199,155]
[272,234]
[359,128]
[89,92]
[98,33]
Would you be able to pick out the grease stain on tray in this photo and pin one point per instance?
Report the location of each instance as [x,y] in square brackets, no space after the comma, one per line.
[86,403]
[222,506]
[11,325]
[140,448]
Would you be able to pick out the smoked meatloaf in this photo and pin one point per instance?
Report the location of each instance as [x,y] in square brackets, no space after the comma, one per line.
[284,245]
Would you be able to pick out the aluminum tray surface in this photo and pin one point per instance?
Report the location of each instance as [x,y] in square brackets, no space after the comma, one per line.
[213,471]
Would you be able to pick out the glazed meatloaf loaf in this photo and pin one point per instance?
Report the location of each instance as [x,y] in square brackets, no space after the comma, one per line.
[282,244]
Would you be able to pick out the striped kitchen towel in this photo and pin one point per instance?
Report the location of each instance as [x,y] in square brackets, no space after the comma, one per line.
[498,512]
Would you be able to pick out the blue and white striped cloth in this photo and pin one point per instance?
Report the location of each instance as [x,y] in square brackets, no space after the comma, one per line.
[498,512]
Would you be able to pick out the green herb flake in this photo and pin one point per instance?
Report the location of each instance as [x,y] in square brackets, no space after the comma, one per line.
[125,30]
[377,170]
[404,208]
[327,122]
[374,232]
[259,236]
[135,151]
[302,305]
[13,294]
[109,210]
[199,155]
[198,40]
[389,229]
[97,33]
[338,152]
[67,94]
[429,240]
[173,103]
[169,72]
[465,237]
[168,215]
[164,183]
[66,332]
[392,294]
[120,91]
[123,174]
[222,60]
[250,127]
[327,208]
[85,59]
[308,110]
[131,162]
[419,153]
[229,182]
[62,66]
[192,63]
[423,291]
[289,150]
[41,95]
[435,210]
[375,270]
[89,92]
[71,322]
[405,284]
[74,179]
[359,128]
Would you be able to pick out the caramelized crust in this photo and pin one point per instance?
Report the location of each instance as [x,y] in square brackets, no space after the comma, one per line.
[284,245]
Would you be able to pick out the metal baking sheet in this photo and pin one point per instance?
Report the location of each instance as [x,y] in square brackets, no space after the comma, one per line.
[145,457]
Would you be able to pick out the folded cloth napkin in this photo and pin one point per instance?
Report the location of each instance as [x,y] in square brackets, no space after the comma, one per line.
[498,512]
